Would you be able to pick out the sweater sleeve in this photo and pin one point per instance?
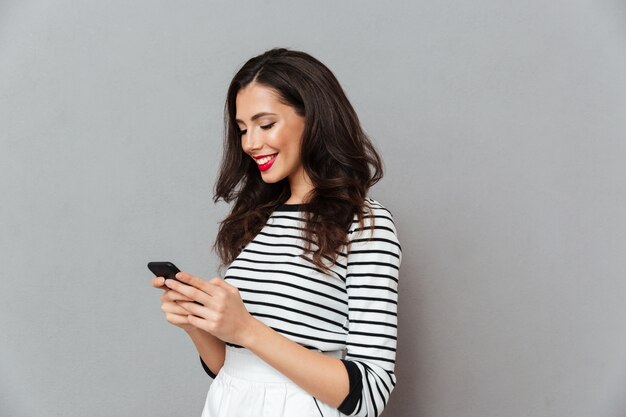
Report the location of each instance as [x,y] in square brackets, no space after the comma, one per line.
[206,369]
[372,287]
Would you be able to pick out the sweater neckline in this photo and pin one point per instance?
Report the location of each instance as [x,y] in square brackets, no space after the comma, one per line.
[291,207]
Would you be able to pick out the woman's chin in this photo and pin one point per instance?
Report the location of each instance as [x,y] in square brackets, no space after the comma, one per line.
[269,179]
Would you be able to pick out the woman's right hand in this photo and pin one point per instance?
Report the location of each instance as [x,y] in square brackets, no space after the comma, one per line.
[174,313]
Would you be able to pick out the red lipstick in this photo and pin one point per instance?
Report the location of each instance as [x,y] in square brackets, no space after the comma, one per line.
[263,156]
[268,164]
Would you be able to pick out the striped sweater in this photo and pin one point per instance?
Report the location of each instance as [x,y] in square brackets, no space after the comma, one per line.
[354,309]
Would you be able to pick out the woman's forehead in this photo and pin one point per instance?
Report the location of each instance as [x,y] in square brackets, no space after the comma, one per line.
[255,99]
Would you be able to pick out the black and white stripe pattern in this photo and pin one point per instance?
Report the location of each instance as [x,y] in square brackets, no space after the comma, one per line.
[353,309]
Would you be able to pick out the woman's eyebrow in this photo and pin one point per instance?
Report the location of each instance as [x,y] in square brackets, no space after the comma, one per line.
[256,116]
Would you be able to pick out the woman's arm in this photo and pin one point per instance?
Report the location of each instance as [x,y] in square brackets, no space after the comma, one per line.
[211,349]
[224,315]
[322,376]
[372,274]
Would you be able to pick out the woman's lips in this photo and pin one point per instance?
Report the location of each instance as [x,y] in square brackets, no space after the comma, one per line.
[268,164]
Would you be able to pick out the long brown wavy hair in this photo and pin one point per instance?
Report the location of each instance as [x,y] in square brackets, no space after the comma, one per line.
[337,155]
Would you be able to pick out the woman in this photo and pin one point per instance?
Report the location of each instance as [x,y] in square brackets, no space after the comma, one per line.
[304,321]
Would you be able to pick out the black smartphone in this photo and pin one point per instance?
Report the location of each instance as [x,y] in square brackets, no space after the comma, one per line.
[164,269]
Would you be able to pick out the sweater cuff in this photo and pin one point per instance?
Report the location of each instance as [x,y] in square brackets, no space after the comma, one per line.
[207,370]
[356,387]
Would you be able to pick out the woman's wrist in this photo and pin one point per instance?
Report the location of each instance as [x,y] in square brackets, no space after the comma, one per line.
[253,333]
[192,330]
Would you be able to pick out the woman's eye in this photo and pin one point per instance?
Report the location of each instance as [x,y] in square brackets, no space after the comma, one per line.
[242,132]
[267,127]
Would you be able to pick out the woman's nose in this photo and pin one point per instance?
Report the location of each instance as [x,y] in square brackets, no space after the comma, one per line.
[251,141]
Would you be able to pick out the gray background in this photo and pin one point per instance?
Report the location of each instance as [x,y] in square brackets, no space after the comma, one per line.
[502,127]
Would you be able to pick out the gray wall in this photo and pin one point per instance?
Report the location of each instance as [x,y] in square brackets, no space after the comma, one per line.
[503,130]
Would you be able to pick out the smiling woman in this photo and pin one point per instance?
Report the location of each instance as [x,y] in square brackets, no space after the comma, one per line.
[271,133]
[304,321]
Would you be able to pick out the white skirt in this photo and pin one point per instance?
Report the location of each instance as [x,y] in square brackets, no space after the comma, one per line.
[247,386]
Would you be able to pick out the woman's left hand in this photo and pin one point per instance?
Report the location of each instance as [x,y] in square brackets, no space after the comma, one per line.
[222,312]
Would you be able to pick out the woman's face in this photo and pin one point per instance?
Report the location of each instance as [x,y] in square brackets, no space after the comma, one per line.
[271,133]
